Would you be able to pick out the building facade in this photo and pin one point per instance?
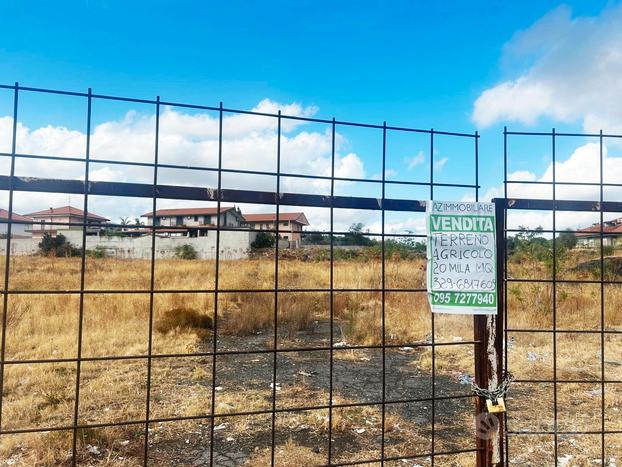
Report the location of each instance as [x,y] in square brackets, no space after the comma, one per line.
[290,225]
[589,237]
[54,221]
[21,229]
[193,222]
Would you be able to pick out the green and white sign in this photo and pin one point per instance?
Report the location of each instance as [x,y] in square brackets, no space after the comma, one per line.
[462,257]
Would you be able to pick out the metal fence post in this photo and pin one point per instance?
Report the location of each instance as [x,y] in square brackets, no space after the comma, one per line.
[488,335]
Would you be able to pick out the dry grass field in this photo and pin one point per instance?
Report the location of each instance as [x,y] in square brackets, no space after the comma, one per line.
[42,324]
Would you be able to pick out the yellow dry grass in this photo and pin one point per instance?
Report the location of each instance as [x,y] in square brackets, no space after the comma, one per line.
[45,326]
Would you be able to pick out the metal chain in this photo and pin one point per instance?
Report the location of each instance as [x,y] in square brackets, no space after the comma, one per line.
[494,394]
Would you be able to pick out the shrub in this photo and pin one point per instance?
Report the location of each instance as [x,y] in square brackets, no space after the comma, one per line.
[186,251]
[57,246]
[345,254]
[401,248]
[316,238]
[184,319]
[263,240]
[98,252]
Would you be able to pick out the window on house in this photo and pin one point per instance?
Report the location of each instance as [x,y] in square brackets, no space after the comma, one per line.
[286,223]
[196,218]
[207,219]
[179,220]
[156,221]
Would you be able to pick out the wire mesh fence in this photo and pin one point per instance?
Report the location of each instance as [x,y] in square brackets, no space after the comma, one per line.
[315,354]
[561,300]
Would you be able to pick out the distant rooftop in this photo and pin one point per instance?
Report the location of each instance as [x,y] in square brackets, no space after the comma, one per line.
[283,216]
[66,211]
[613,226]
[4,214]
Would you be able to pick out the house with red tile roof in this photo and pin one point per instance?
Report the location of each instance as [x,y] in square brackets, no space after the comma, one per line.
[20,228]
[65,218]
[290,224]
[589,237]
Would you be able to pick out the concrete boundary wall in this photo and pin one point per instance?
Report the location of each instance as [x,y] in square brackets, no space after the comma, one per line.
[233,245]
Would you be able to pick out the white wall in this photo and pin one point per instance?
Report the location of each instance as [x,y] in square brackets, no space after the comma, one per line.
[17,229]
[233,245]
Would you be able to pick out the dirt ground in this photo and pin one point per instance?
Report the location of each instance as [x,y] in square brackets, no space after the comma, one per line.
[303,381]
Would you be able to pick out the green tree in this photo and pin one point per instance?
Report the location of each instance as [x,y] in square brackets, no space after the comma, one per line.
[263,240]
[529,243]
[567,239]
[413,244]
[316,238]
[355,236]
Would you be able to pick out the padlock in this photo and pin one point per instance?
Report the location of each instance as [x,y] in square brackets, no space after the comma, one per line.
[499,407]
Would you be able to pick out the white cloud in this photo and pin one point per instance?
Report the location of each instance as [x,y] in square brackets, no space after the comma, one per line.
[187,139]
[583,165]
[519,100]
[349,166]
[414,161]
[572,68]
[439,164]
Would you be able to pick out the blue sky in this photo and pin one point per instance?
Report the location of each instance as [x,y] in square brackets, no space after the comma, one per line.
[412,63]
[419,64]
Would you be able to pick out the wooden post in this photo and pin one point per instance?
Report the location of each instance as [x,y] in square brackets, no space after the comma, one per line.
[488,332]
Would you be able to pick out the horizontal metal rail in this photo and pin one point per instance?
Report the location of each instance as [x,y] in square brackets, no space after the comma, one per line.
[93,161]
[195,193]
[559,205]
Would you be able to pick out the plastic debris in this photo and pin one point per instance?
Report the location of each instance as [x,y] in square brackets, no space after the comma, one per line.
[93,449]
[465,379]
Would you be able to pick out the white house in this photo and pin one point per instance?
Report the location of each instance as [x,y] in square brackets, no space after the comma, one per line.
[19,230]
[55,220]
[589,237]
[194,222]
